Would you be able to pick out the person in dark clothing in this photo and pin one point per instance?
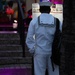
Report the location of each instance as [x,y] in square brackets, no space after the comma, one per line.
[28,19]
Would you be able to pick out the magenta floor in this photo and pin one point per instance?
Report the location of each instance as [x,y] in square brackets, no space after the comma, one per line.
[15,71]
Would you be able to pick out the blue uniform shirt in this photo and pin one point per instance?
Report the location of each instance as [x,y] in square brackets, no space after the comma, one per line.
[40,37]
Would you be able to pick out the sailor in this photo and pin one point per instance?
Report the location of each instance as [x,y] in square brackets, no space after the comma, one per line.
[39,40]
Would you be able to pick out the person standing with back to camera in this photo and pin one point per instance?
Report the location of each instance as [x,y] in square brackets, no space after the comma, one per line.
[43,28]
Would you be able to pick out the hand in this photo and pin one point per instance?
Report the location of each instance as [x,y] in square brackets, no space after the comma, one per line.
[31,51]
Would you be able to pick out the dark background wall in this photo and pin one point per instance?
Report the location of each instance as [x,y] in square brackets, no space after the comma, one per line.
[67,66]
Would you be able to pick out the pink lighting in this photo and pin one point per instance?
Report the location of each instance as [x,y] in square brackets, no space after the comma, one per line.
[15,71]
[57,1]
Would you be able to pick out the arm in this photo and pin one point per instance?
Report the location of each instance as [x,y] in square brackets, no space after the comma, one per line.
[30,41]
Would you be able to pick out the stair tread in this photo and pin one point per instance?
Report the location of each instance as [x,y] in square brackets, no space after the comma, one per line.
[14,54]
[15,60]
[8,66]
[1,32]
[15,57]
[11,50]
[9,39]
[10,45]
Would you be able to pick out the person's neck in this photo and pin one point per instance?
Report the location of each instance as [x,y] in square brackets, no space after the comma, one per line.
[45,13]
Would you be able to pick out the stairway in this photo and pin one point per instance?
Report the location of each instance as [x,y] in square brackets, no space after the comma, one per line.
[11,51]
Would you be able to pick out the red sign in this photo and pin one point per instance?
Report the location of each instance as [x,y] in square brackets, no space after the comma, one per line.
[9,11]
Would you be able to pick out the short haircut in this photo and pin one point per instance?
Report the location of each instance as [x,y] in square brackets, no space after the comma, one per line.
[45,9]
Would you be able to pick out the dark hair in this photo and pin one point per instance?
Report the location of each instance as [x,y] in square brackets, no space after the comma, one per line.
[10,3]
[44,9]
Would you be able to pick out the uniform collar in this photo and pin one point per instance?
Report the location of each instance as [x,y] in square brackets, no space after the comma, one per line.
[46,18]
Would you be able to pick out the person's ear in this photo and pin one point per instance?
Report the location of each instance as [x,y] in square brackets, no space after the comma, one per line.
[39,10]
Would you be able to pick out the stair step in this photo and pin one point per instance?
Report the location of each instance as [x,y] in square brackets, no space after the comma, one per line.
[9,41]
[13,47]
[9,35]
[11,51]
[10,54]
[10,47]
[15,60]
[16,66]
[14,54]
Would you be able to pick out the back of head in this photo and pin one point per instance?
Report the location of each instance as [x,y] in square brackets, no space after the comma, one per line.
[45,6]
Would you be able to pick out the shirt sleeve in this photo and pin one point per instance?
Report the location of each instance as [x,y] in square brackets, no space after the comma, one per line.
[30,41]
